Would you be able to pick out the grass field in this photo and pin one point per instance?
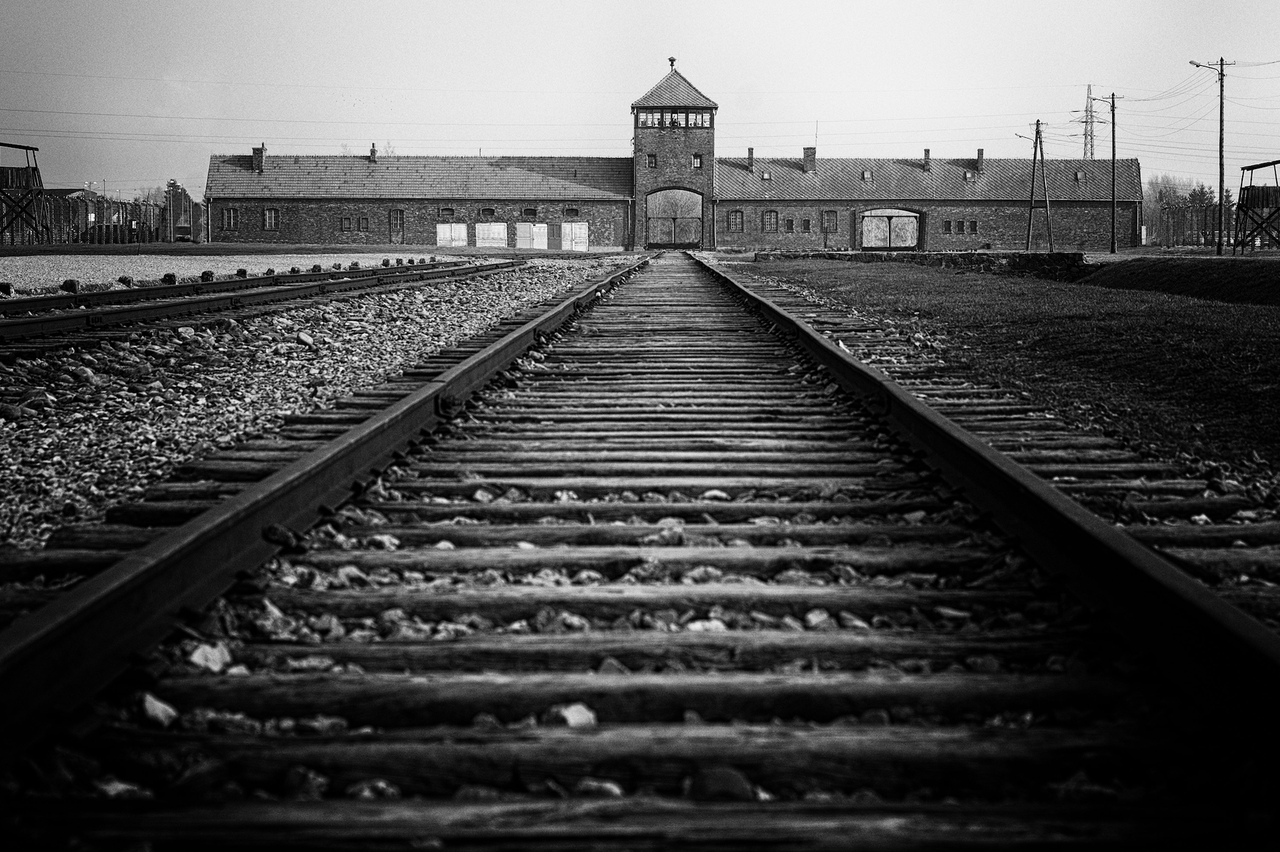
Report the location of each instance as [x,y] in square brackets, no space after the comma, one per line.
[1173,371]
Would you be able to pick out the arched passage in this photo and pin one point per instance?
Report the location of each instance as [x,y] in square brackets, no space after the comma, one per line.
[890,228]
[674,219]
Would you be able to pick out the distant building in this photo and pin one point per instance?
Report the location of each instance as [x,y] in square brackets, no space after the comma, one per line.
[673,192]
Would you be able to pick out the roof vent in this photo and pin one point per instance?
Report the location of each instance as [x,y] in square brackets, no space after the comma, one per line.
[672,60]
[928,163]
[981,161]
[751,160]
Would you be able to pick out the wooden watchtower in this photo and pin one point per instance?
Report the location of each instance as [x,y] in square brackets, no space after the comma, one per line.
[24,218]
[1257,211]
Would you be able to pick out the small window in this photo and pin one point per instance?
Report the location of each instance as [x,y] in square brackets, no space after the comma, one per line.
[362,224]
[866,174]
[769,221]
[1079,177]
[973,226]
[766,176]
[229,218]
[571,212]
[806,225]
[959,226]
[529,211]
[651,160]
[970,176]
[344,224]
[697,161]
[946,226]
[829,221]
[789,225]
[271,219]
[735,221]
[487,211]
[446,211]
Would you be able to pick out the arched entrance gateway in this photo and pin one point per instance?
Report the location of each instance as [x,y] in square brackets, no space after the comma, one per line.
[890,228]
[674,219]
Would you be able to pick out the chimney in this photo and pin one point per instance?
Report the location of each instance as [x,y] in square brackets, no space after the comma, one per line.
[259,157]
[810,160]
[979,161]
[751,160]
[373,152]
[928,164]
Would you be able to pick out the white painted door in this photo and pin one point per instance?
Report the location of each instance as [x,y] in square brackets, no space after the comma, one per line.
[451,235]
[531,236]
[491,234]
[573,236]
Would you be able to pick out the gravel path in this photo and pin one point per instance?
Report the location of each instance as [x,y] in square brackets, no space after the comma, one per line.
[44,273]
[95,427]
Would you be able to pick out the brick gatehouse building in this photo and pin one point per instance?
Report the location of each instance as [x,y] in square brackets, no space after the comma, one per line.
[673,191]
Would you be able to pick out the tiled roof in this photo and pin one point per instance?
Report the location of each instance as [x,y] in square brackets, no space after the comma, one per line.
[1000,180]
[674,90]
[309,176]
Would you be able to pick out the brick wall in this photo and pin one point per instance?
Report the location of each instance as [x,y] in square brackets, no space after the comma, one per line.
[319,222]
[674,148]
[1077,226]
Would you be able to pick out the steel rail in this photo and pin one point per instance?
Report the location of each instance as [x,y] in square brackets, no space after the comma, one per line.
[55,659]
[64,301]
[1182,623]
[27,327]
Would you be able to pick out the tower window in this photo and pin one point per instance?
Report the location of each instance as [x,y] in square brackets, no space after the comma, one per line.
[651,160]
[735,221]
[697,161]
[829,221]
[769,221]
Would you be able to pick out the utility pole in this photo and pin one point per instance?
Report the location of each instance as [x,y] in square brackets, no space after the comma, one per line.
[1222,160]
[1031,205]
[1112,101]
[1088,122]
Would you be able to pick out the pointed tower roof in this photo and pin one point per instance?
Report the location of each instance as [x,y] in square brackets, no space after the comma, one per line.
[674,90]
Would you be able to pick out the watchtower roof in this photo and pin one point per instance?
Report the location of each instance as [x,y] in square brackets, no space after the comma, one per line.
[674,90]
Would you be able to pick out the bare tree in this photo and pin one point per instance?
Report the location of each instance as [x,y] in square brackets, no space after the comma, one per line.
[675,204]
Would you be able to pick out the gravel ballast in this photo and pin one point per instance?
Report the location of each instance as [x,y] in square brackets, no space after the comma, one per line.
[83,429]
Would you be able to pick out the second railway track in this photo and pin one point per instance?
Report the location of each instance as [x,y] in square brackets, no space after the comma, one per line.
[681,577]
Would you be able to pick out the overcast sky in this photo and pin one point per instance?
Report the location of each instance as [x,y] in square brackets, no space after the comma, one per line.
[142,91]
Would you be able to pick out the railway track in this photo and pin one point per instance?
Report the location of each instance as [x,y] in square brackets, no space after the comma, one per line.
[65,320]
[680,575]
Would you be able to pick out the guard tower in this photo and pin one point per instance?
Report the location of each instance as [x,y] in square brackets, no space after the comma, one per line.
[24,218]
[1257,211]
[675,162]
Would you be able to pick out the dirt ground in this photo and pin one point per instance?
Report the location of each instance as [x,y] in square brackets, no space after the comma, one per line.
[1181,375]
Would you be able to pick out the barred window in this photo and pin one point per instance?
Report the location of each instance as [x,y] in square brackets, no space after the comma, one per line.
[344,224]
[529,211]
[271,219]
[446,211]
[973,226]
[769,221]
[229,218]
[946,226]
[362,224]
[829,221]
[806,225]
[789,225]
[735,221]
[487,211]
[571,211]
